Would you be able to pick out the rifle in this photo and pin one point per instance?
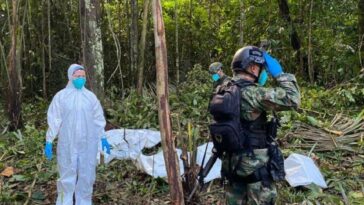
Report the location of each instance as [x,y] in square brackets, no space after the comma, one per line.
[203,172]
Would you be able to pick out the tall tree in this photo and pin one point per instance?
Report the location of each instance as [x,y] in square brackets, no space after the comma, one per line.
[168,143]
[295,40]
[43,61]
[49,42]
[14,90]
[92,45]
[43,52]
[142,47]
[177,43]
[310,63]
[117,46]
[134,38]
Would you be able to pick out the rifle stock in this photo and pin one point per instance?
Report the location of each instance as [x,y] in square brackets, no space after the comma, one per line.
[205,171]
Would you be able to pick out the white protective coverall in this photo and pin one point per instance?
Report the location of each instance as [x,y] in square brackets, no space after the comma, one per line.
[77,118]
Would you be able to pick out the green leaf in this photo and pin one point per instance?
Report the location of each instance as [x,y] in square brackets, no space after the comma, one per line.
[312,121]
[18,178]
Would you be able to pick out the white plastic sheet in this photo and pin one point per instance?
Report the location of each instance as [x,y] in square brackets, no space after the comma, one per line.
[301,170]
[154,165]
[129,143]
[215,170]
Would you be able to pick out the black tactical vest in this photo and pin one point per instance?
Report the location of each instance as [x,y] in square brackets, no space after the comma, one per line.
[257,131]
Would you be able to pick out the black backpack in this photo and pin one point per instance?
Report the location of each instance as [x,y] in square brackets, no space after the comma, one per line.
[226,131]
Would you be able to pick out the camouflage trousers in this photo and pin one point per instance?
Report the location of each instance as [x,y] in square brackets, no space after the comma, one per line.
[240,193]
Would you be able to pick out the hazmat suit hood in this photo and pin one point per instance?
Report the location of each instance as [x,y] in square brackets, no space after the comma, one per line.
[74,67]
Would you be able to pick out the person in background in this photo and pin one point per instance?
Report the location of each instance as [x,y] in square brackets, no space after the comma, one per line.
[217,74]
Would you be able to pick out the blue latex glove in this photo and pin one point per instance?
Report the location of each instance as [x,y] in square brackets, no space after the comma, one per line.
[48,150]
[273,66]
[105,145]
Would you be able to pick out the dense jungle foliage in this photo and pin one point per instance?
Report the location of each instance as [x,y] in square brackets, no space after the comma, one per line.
[207,31]
[318,41]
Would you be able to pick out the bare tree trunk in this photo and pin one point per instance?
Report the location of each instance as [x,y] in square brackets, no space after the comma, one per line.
[118,50]
[169,150]
[129,71]
[310,64]
[177,44]
[92,45]
[14,89]
[49,36]
[142,47]
[300,53]
[4,59]
[43,55]
[134,39]
[295,40]
[3,66]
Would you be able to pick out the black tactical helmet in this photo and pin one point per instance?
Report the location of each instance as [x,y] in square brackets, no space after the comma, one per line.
[246,56]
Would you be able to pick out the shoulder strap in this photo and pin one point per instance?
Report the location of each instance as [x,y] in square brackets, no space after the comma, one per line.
[242,83]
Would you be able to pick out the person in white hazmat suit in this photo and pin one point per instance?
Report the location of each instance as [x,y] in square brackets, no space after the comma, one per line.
[75,115]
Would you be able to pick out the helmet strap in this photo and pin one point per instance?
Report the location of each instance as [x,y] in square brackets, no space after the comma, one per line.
[251,75]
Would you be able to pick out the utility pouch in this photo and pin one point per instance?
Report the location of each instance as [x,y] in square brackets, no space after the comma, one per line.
[272,128]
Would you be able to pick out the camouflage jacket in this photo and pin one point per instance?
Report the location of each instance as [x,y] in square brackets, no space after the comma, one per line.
[256,99]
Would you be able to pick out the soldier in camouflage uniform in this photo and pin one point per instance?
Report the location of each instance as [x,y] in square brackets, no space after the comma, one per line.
[248,184]
[218,75]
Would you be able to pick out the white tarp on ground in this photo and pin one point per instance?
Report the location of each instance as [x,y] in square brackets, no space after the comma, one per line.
[215,171]
[154,164]
[129,143]
[301,170]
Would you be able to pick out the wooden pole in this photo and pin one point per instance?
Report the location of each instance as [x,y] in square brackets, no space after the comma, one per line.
[14,90]
[169,151]
[142,47]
